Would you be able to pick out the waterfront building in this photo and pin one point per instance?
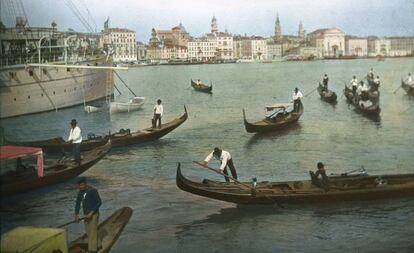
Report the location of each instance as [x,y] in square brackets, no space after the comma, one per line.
[173,53]
[202,49]
[274,51]
[214,26]
[259,48]
[122,41]
[330,40]
[224,45]
[141,51]
[177,36]
[378,46]
[401,46]
[356,46]
[242,47]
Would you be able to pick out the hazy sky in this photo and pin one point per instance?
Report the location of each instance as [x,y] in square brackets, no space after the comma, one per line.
[356,17]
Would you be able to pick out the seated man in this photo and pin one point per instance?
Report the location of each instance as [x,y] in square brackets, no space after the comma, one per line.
[322,182]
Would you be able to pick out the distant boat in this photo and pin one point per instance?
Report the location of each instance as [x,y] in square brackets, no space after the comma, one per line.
[90,108]
[280,120]
[132,105]
[369,107]
[201,87]
[328,96]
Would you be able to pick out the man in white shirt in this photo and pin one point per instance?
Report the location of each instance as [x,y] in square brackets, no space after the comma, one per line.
[409,78]
[225,159]
[75,138]
[360,88]
[296,97]
[158,110]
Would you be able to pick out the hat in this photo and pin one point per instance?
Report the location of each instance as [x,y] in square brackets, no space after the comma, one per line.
[159,101]
[216,151]
[320,165]
[82,180]
[296,89]
[73,122]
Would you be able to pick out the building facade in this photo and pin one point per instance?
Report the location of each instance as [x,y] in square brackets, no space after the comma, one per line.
[122,41]
[274,51]
[355,46]
[330,40]
[401,46]
[202,49]
[259,48]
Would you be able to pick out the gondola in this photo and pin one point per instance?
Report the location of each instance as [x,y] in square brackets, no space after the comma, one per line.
[341,188]
[59,145]
[123,138]
[202,87]
[409,88]
[54,171]
[279,121]
[108,232]
[328,96]
[371,110]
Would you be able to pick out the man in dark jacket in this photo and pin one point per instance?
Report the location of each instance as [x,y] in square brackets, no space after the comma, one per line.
[90,200]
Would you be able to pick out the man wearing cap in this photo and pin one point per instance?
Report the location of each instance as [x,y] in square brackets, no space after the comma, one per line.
[324,180]
[296,97]
[325,82]
[75,138]
[225,159]
[90,200]
[158,110]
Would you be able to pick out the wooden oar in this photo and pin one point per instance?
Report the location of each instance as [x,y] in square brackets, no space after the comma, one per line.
[235,180]
[310,92]
[397,89]
[70,222]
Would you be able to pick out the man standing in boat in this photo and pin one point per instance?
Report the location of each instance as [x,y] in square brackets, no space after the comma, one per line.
[325,82]
[158,110]
[225,159]
[91,201]
[296,97]
[75,138]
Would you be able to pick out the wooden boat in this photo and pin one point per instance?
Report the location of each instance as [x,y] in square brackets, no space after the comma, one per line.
[132,105]
[55,171]
[149,134]
[108,232]
[328,96]
[59,145]
[281,120]
[409,88]
[341,188]
[201,87]
[90,108]
[372,110]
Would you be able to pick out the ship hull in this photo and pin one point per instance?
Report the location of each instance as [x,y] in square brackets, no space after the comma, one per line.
[33,90]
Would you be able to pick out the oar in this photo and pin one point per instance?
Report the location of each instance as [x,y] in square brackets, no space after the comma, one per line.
[70,222]
[397,89]
[310,92]
[235,180]
[406,110]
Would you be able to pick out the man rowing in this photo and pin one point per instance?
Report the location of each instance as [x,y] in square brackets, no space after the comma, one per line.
[296,97]
[226,160]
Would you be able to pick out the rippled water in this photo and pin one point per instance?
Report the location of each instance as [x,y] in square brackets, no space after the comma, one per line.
[168,220]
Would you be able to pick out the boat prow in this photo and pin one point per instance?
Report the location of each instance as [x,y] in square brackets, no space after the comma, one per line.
[108,232]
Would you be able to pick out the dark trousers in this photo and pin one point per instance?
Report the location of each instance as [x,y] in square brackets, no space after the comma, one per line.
[76,152]
[154,121]
[232,170]
[296,104]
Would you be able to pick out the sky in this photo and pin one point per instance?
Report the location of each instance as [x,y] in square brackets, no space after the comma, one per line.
[354,17]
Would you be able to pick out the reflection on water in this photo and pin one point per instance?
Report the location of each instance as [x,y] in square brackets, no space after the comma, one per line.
[167,219]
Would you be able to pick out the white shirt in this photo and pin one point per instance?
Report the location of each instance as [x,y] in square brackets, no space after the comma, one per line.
[296,96]
[409,79]
[75,135]
[354,82]
[224,157]
[158,109]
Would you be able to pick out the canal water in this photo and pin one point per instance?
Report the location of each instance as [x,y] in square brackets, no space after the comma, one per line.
[167,219]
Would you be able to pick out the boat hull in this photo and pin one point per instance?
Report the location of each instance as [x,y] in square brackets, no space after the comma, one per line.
[202,87]
[329,96]
[58,173]
[300,192]
[34,90]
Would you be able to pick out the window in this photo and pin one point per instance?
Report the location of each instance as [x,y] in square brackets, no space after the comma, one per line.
[45,71]
[31,72]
